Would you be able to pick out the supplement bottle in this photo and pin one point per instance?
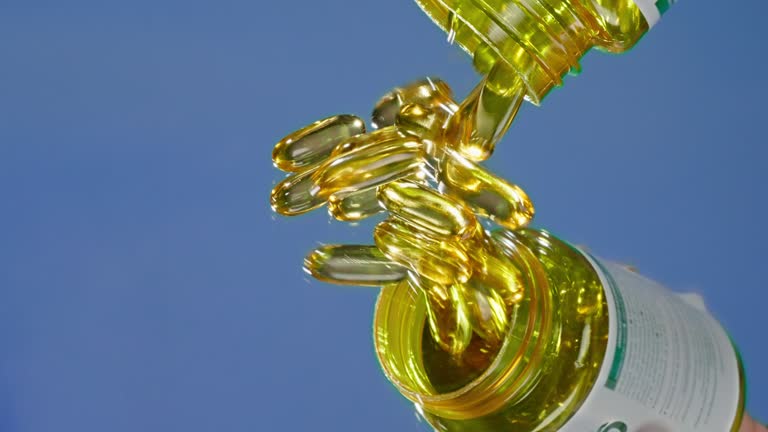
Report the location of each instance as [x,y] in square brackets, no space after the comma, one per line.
[594,346]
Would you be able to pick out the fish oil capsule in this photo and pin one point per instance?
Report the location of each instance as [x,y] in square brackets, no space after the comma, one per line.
[370,167]
[418,120]
[488,312]
[486,114]
[354,207]
[431,93]
[490,196]
[423,122]
[385,110]
[311,144]
[361,265]
[372,139]
[296,195]
[442,262]
[447,315]
[363,204]
[427,209]
[499,273]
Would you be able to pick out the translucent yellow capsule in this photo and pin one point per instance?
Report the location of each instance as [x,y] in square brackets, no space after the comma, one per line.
[372,139]
[361,265]
[385,110]
[370,167]
[486,114]
[313,143]
[443,262]
[499,273]
[488,312]
[428,210]
[447,315]
[354,207]
[425,123]
[417,119]
[489,195]
[363,204]
[431,93]
[296,195]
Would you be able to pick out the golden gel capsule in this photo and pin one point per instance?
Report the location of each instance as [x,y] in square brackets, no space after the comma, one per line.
[313,143]
[419,120]
[424,122]
[442,262]
[490,196]
[354,207]
[385,110]
[295,195]
[361,265]
[429,92]
[363,204]
[447,315]
[370,167]
[372,139]
[427,209]
[488,312]
[486,114]
[498,272]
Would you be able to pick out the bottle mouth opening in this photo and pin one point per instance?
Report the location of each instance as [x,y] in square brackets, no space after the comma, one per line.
[398,337]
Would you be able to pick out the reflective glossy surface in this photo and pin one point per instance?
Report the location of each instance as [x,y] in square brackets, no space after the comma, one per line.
[447,315]
[311,144]
[427,210]
[486,114]
[540,40]
[296,195]
[489,195]
[440,261]
[431,93]
[370,167]
[355,206]
[352,265]
[528,376]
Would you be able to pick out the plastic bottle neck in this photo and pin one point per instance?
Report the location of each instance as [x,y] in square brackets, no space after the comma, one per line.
[516,369]
[542,40]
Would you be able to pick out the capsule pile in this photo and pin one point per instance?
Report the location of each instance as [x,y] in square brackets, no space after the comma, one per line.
[420,165]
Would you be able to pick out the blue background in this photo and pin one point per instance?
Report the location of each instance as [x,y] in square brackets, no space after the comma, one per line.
[146,286]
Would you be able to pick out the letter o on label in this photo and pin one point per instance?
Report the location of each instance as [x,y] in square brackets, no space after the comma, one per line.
[613,427]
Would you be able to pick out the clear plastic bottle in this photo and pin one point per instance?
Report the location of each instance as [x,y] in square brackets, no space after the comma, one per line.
[525,48]
[593,347]
[542,40]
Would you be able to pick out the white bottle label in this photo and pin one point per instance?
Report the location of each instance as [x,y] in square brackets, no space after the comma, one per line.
[669,366]
[653,9]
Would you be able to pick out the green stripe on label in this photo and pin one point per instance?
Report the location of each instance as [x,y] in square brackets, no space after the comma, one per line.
[621,336]
[663,5]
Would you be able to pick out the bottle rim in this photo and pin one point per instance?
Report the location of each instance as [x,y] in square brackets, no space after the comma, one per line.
[399,319]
